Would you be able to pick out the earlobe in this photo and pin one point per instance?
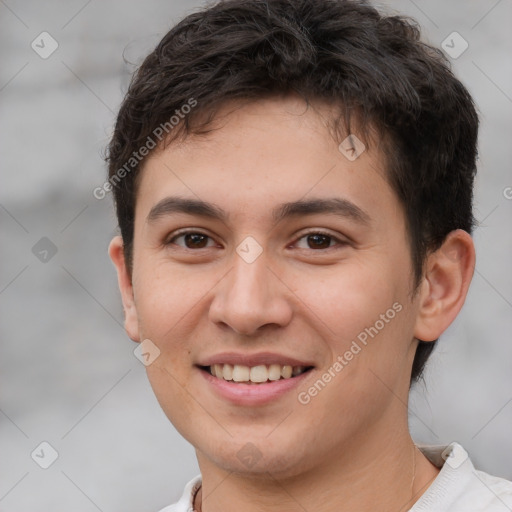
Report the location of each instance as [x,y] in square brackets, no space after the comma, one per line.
[116,253]
[448,274]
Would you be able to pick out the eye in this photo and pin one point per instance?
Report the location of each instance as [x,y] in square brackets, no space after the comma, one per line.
[318,240]
[192,240]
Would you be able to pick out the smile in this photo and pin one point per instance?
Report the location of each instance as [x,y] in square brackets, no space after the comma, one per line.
[255,374]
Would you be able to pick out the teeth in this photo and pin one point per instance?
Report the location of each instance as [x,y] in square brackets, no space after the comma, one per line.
[241,373]
[226,371]
[259,374]
[297,370]
[286,372]
[256,374]
[274,372]
[217,370]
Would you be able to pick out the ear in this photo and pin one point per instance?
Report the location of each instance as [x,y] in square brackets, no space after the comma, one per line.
[448,273]
[131,323]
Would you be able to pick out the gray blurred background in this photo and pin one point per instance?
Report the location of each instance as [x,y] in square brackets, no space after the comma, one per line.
[68,375]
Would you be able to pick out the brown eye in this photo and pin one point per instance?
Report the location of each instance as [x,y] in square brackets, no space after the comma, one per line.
[319,241]
[196,240]
[192,240]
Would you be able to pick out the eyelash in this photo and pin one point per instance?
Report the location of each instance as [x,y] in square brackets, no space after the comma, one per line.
[303,235]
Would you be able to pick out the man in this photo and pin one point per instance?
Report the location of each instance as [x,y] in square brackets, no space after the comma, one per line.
[293,182]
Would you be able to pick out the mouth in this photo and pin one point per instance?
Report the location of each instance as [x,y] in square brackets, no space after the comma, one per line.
[259,374]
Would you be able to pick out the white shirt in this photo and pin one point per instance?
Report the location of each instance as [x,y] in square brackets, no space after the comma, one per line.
[458,487]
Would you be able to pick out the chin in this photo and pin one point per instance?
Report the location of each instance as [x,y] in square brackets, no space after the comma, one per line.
[260,459]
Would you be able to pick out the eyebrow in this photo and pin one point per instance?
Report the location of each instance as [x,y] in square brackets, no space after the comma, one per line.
[332,206]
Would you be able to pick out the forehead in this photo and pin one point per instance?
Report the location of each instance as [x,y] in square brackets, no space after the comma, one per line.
[265,153]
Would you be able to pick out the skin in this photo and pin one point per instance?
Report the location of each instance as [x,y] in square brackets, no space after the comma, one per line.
[349,448]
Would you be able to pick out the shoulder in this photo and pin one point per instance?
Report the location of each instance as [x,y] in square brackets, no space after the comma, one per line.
[184,504]
[459,487]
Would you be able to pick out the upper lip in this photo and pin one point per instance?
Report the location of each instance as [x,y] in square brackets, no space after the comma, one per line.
[261,358]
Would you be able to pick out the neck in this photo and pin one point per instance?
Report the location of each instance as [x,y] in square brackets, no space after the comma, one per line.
[392,473]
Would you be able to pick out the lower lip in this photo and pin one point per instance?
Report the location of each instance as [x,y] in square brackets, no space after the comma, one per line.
[252,394]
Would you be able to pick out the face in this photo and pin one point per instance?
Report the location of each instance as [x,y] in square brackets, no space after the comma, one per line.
[261,250]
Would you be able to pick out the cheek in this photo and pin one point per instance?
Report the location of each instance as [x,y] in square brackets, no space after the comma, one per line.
[363,316]
[168,300]
[346,299]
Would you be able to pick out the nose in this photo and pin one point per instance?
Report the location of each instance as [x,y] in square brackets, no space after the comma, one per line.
[250,297]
